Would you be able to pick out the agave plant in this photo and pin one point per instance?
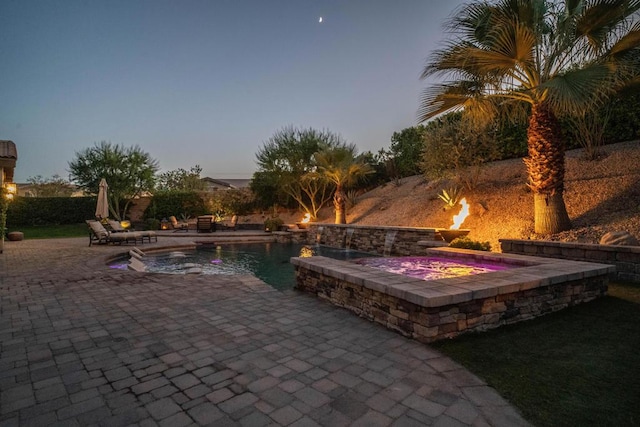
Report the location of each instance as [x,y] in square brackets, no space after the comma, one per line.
[451,198]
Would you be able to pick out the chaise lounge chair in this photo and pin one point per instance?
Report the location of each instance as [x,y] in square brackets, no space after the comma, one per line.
[205,224]
[99,234]
[178,225]
[232,225]
[116,227]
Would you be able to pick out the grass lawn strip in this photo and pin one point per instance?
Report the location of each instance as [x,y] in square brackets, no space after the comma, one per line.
[576,367]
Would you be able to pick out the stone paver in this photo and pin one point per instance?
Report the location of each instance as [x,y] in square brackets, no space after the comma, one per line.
[84,344]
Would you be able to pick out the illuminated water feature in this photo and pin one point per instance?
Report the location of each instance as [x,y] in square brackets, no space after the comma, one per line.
[389,239]
[268,261]
[433,268]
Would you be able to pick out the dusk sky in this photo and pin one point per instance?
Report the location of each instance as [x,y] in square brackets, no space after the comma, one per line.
[207,82]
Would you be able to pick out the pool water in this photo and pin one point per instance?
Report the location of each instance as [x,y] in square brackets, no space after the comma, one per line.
[432,268]
[268,261]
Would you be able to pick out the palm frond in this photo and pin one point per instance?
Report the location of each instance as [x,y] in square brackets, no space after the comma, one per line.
[631,40]
[600,18]
[446,97]
[577,89]
[529,50]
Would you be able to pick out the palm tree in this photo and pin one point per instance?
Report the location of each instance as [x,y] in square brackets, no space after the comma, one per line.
[341,166]
[557,57]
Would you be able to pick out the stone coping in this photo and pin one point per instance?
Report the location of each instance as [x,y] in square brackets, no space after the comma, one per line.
[377,227]
[575,245]
[531,273]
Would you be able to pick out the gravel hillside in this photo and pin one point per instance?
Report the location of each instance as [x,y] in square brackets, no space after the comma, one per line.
[601,196]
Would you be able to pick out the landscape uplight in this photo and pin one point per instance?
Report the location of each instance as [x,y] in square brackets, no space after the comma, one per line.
[11,190]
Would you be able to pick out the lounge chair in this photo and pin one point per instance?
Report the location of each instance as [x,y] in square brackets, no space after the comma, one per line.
[99,234]
[205,224]
[178,225]
[116,227]
[232,225]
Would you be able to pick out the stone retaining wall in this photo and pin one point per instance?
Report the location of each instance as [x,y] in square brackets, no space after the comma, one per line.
[371,238]
[625,258]
[291,236]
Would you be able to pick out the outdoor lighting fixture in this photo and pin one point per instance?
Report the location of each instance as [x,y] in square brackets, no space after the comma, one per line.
[125,224]
[164,224]
[11,188]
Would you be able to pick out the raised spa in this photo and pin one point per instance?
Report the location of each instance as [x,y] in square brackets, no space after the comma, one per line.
[503,289]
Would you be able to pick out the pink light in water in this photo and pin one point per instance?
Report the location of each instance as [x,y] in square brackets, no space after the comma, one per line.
[432,268]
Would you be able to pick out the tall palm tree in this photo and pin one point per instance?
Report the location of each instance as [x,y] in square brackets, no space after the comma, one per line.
[555,56]
[341,166]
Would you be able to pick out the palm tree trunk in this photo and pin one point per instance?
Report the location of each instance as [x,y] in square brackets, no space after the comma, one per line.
[340,205]
[545,166]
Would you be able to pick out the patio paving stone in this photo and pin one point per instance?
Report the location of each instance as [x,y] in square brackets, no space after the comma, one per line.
[84,344]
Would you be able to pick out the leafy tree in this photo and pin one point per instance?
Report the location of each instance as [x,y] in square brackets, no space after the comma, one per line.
[55,186]
[342,167]
[460,147]
[181,180]
[406,149]
[265,185]
[128,171]
[286,166]
[555,56]
[382,172]
[236,201]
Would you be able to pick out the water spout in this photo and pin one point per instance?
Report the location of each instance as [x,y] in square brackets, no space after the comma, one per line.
[319,235]
[388,242]
[348,237]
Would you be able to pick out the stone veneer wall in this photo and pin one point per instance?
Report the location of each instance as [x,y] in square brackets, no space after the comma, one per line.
[291,236]
[428,324]
[371,238]
[625,258]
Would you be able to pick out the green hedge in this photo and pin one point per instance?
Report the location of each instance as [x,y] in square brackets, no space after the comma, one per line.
[29,211]
[176,203]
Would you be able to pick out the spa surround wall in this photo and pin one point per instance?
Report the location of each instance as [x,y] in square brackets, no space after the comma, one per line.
[428,324]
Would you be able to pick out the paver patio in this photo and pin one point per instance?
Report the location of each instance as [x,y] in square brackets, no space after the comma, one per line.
[82,344]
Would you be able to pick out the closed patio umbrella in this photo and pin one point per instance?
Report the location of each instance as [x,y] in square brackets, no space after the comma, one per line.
[102,209]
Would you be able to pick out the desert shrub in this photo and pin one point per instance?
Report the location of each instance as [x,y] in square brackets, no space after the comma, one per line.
[588,130]
[240,201]
[351,197]
[29,211]
[467,243]
[273,224]
[511,139]
[624,119]
[457,147]
[152,224]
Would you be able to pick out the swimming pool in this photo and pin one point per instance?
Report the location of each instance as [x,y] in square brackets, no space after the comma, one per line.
[268,261]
